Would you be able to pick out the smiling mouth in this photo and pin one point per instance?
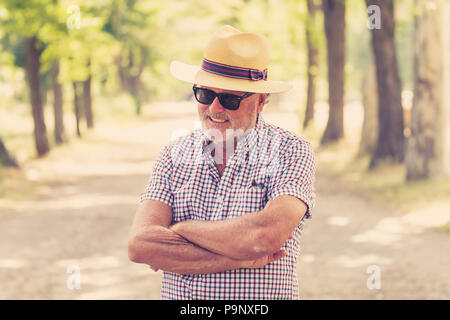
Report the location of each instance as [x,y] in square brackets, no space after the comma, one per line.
[217,120]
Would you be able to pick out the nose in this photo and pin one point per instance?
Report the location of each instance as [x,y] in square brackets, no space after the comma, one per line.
[216,107]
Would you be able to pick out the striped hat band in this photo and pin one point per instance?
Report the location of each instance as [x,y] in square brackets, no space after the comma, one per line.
[233,72]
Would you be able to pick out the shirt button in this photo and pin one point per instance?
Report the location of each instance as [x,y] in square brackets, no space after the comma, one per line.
[219,199]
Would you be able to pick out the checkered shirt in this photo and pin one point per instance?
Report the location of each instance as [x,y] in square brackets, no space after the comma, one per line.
[268,162]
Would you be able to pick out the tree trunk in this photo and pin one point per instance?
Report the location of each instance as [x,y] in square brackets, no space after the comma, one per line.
[334,17]
[121,70]
[446,84]
[7,159]
[130,77]
[77,106]
[370,104]
[134,80]
[390,144]
[311,41]
[87,100]
[135,84]
[425,144]
[32,63]
[60,134]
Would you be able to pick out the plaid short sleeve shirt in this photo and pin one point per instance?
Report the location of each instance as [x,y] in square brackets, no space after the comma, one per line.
[268,162]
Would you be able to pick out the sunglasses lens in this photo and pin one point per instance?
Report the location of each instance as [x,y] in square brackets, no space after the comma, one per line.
[230,101]
[227,100]
[204,96]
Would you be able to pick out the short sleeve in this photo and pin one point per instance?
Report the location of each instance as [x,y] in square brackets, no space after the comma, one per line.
[159,186]
[295,174]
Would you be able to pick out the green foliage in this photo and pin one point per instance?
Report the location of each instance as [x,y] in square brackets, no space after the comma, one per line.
[358,45]
[404,14]
[156,33]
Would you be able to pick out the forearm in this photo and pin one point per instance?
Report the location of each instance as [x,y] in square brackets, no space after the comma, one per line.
[164,249]
[249,236]
[238,238]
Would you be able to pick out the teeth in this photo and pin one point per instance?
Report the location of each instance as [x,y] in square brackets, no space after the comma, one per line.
[217,120]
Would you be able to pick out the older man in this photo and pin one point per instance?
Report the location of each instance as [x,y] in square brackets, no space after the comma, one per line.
[223,212]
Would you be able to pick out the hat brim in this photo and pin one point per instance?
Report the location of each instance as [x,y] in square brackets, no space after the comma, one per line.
[196,75]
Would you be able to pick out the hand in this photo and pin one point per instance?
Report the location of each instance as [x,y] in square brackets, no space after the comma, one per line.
[264,260]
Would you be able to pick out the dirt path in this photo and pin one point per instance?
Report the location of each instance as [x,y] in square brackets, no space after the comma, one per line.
[80,221]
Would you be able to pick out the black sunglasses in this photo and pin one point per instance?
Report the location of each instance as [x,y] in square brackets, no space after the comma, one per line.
[227,100]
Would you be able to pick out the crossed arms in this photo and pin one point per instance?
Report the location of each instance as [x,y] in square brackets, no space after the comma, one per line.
[195,247]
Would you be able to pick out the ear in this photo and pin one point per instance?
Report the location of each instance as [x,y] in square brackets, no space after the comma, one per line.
[261,102]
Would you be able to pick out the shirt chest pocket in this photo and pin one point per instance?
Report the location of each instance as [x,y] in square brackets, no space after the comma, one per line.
[248,199]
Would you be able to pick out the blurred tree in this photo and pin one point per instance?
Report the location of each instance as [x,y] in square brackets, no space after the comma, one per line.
[370,103]
[446,85]
[424,154]
[7,159]
[133,31]
[390,143]
[85,51]
[52,29]
[77,105]
[30,21]
[32,55]
[334,18]
[313,52]
[87,98]
[60,133]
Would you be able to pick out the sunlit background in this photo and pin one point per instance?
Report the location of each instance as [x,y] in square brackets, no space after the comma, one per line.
[87,102]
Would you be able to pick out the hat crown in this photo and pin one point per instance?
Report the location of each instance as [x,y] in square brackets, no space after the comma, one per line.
[240,49]
[233,60]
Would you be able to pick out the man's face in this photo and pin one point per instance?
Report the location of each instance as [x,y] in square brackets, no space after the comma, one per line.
[213,115]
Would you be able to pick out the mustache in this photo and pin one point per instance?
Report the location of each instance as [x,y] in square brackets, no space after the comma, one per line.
[220,116]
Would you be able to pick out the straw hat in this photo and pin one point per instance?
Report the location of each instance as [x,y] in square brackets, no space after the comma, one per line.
[232,60]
